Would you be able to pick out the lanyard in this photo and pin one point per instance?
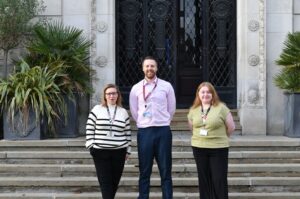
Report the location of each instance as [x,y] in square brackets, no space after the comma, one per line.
[144,92]
[111,120]
[204,115]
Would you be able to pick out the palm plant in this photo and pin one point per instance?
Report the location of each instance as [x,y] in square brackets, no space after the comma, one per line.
[32,89]
[55,42]
[289,77]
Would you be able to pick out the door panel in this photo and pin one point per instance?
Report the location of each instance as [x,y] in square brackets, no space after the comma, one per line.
[145,27]
[193,40]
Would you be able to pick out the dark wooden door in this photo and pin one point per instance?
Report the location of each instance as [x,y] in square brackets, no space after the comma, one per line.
[193,40]
[206,49]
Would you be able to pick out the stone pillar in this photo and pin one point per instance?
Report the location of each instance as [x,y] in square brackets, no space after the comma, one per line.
[103,49]
[252,66]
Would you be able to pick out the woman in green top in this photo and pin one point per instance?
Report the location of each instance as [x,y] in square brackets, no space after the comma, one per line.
[211,123]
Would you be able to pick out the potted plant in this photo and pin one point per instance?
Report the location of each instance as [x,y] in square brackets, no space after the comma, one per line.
[55,42]
[29,99]
[288,79]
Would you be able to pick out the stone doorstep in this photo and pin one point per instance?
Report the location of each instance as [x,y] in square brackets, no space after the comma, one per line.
[133,181]
[280,195]
[190,168]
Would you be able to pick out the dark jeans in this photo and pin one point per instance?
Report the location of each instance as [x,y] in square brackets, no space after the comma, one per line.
[212,167]
[155,142]
[109,167]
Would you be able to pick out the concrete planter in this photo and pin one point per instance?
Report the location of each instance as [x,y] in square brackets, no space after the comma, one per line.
[292,114]
[68,128]
[33,130]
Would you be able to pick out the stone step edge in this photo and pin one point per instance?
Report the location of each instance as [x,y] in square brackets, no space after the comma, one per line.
[177,195]
[175,154]
[184,137]
[133,181]
[242,167]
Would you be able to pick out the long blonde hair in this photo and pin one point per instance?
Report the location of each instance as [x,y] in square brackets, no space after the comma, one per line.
[215,98]
[119,99]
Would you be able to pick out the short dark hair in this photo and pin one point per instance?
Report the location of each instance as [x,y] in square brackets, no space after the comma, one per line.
[149,57]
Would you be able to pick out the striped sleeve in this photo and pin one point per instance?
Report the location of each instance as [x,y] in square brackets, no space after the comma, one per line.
[128,132]
[90,129]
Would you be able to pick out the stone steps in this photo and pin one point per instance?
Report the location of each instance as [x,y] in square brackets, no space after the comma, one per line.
[181,142]
[178,170]
[83,157]
[259,167]
[130,184]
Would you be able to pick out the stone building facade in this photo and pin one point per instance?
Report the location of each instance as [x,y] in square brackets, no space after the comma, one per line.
[261,25]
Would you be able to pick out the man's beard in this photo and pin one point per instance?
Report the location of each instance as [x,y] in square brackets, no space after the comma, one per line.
[150,75]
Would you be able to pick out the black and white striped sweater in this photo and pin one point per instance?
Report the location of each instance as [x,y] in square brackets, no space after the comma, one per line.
[98,129]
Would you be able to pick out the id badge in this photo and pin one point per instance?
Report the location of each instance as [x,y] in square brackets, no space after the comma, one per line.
[203,132]
[147,112]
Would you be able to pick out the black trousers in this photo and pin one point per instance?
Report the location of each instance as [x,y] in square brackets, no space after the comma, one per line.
[109,167]
[212,167]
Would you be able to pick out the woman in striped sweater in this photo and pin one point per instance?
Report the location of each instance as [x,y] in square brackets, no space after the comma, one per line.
[108,137]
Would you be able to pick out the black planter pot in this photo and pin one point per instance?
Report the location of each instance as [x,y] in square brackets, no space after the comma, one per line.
[68,128]
[33,130]
[292,115]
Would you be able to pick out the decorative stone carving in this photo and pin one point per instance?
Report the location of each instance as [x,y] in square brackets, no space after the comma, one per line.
[93,29]
[253,95]
[253,25]
[101,61]
[102,26]
[253,60]
[262,68]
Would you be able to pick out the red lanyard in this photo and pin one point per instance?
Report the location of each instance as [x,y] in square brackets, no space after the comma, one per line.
[144,92]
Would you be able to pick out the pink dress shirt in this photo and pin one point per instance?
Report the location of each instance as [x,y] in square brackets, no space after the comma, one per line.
[161,103]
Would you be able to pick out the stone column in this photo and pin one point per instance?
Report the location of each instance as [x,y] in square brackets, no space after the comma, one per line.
[252,66]
[103,49]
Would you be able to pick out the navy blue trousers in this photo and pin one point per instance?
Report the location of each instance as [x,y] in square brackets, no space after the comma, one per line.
[109,167]
[212,167]
[155,142]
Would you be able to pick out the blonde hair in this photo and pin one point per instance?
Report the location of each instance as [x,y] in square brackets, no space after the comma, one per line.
[215,98]
[119,99]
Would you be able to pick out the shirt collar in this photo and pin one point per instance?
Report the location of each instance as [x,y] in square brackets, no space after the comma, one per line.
[153,81]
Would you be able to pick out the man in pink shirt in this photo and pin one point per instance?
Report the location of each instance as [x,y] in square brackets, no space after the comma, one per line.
[152,105]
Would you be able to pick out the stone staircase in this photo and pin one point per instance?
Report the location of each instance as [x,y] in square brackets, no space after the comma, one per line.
[260,168]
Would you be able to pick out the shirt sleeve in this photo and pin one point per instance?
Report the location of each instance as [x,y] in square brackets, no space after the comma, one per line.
[90,129]
[224,112]
[133,103]
[171,101]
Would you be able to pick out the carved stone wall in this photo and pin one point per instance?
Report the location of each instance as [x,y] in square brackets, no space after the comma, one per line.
[103,49]
[252,66]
